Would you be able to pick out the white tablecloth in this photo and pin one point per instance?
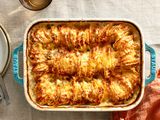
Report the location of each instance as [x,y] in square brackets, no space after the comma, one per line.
[15,18]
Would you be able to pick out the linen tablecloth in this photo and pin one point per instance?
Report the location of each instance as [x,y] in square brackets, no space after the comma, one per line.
[15,18]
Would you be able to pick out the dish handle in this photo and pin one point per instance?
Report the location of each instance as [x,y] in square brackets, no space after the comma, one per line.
[15,60]
[152,75]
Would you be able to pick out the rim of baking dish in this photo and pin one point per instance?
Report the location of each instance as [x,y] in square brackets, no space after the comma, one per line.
[112,108]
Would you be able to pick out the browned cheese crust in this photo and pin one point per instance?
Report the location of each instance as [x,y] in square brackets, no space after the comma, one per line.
[83,63]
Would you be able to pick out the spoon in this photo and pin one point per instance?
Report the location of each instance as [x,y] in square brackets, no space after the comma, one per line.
[4,90]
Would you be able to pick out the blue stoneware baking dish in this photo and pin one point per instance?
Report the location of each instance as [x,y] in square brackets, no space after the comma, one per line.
[23,81]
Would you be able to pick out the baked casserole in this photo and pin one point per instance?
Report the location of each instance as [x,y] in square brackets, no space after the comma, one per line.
[83,64]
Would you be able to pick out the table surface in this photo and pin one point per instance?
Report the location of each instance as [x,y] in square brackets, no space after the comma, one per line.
[15,18]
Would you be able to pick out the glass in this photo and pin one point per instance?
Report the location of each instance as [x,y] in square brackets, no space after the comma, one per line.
[35,4]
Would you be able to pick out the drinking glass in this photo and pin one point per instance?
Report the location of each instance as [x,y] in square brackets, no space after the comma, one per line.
[35,4]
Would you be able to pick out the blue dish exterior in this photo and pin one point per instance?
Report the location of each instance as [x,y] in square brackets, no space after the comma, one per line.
[15,60]
[152,64]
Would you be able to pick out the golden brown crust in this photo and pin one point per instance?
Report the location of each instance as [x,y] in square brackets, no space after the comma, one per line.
[83,63]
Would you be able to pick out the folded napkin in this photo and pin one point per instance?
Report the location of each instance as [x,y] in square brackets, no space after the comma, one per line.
[149,108]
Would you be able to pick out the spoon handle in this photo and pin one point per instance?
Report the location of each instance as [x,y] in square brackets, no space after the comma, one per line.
[4,90]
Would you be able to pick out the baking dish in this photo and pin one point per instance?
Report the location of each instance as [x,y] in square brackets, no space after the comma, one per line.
[112,108]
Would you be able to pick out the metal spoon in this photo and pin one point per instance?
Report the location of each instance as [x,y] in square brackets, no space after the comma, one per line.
[4,90]
[1,94]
